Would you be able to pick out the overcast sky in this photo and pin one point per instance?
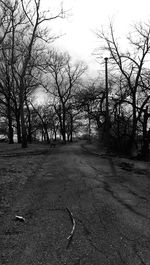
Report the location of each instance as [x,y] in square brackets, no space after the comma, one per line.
[89,15]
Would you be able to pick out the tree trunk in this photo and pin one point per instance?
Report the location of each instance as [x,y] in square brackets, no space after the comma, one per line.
[46,133]
[42,133]
[10,134]
[10,129]
[71,137]
[145,147]
[18,128]
[134,125]
[29,138]
[71,128]
[89,125]
[23,129]
[99,129]
[55,135]
[64,136]
[61,116]
[64,125]
[132,142]
[23,126]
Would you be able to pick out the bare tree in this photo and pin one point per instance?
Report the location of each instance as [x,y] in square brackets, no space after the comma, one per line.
[131,63]
[35,19]
[64,80]
[5,81]
[22,37]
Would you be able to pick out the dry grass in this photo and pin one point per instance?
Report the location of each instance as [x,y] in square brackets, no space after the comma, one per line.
[16,150]
[16,167]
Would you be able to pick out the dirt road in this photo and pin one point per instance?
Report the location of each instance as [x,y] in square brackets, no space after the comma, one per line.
[110,205]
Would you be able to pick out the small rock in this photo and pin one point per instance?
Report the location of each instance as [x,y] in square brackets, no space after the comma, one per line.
[19,218]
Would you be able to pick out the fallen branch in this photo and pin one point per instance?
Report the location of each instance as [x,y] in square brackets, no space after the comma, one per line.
[73,227]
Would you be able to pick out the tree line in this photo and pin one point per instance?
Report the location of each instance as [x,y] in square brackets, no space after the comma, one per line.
[129,89]
[75,104]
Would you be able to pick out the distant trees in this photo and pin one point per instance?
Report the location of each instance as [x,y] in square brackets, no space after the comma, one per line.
[91,101]
[63,82]
[46,121]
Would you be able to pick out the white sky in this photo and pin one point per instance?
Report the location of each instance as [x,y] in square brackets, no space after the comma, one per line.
[89,15]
